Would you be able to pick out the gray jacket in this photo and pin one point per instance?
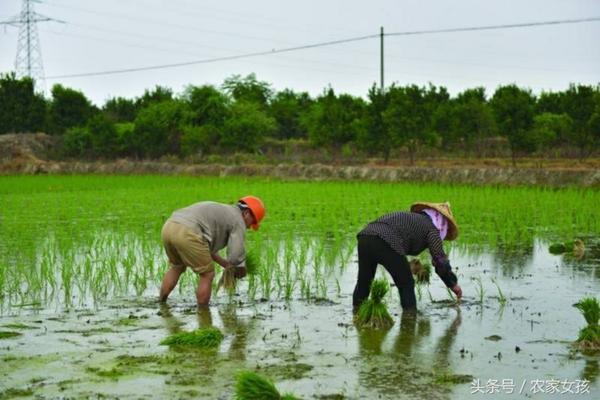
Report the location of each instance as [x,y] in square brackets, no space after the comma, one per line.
[222,225]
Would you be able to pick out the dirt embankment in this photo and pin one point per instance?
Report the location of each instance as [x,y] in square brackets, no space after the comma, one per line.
[28,154]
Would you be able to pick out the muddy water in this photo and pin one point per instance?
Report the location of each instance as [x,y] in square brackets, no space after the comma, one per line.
[520,348]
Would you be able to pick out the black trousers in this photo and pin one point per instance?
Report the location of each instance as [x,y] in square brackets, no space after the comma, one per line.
[372,251]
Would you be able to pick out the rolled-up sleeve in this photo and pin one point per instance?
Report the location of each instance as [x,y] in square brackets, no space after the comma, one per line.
[440,260]
[236,251]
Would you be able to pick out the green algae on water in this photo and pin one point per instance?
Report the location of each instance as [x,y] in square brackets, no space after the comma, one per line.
[252,386]
[202,338]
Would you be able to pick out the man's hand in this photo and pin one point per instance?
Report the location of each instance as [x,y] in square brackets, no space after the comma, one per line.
[240,272]
[457,291]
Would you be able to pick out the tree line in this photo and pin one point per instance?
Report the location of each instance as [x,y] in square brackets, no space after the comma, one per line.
[244,112]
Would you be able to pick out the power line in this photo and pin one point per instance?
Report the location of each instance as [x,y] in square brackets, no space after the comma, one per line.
[324,44]
[495,27]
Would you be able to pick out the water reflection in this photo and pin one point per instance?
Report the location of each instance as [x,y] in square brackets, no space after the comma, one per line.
[239,329]
[234,327]
[405,368]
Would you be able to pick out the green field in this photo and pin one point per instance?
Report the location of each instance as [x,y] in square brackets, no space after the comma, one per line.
[81,262]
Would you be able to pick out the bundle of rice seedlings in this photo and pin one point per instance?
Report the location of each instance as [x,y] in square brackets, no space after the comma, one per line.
[227,280]
[251,386]
[202,338]
[373,312]
[420,271]
[589,337]
[576,246]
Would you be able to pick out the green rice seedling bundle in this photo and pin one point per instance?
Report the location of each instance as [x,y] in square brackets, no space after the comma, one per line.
[251,386]
[421,271]
[373,312]
[589,337]
[576,246]
[202,338]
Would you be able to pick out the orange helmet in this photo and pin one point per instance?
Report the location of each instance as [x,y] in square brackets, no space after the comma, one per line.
[257,208]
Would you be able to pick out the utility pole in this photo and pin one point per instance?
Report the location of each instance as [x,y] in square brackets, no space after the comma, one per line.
[381,61]
[29,53]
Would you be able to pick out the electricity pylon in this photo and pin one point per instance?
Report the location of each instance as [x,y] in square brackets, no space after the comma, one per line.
[29,53]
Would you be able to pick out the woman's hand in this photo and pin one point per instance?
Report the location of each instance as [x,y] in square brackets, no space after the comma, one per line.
[457,291]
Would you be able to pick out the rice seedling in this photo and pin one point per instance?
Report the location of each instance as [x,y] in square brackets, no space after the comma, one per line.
[252,262]
[252,386]
[202,338]
[421,271]
[501,298]
[89,241]
[589,336]
[227,280]
[479,290]
[373,312]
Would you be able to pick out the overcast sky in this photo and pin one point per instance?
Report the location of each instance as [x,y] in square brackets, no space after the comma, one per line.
[109,35]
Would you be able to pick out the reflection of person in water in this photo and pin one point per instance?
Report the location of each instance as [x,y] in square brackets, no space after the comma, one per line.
[399,370]
[238,329]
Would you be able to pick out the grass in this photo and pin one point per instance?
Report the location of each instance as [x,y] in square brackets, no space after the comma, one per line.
[372,312]
[252,386]
[201,338]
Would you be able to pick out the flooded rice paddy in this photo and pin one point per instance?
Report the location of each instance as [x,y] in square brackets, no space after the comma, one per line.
[81,263]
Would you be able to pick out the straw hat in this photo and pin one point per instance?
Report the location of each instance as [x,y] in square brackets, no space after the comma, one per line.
[442,208]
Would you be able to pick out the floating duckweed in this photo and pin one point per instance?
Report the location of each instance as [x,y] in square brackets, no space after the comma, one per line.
[202,338]
[251,386]
[373,312]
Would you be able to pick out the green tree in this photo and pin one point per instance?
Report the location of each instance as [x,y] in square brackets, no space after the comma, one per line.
[514,110]
[550,102]
[579,102]
[104,136]
[159,94]
[21,109]
[207,104]
[287,107]
[376,137]
[408,118]
[549,129]
[199,139]
[248,89]
[594,127]
[120,109]
[158,129]
[246,127]
[474,119]
[77,142]
[69,108]
[334,120]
